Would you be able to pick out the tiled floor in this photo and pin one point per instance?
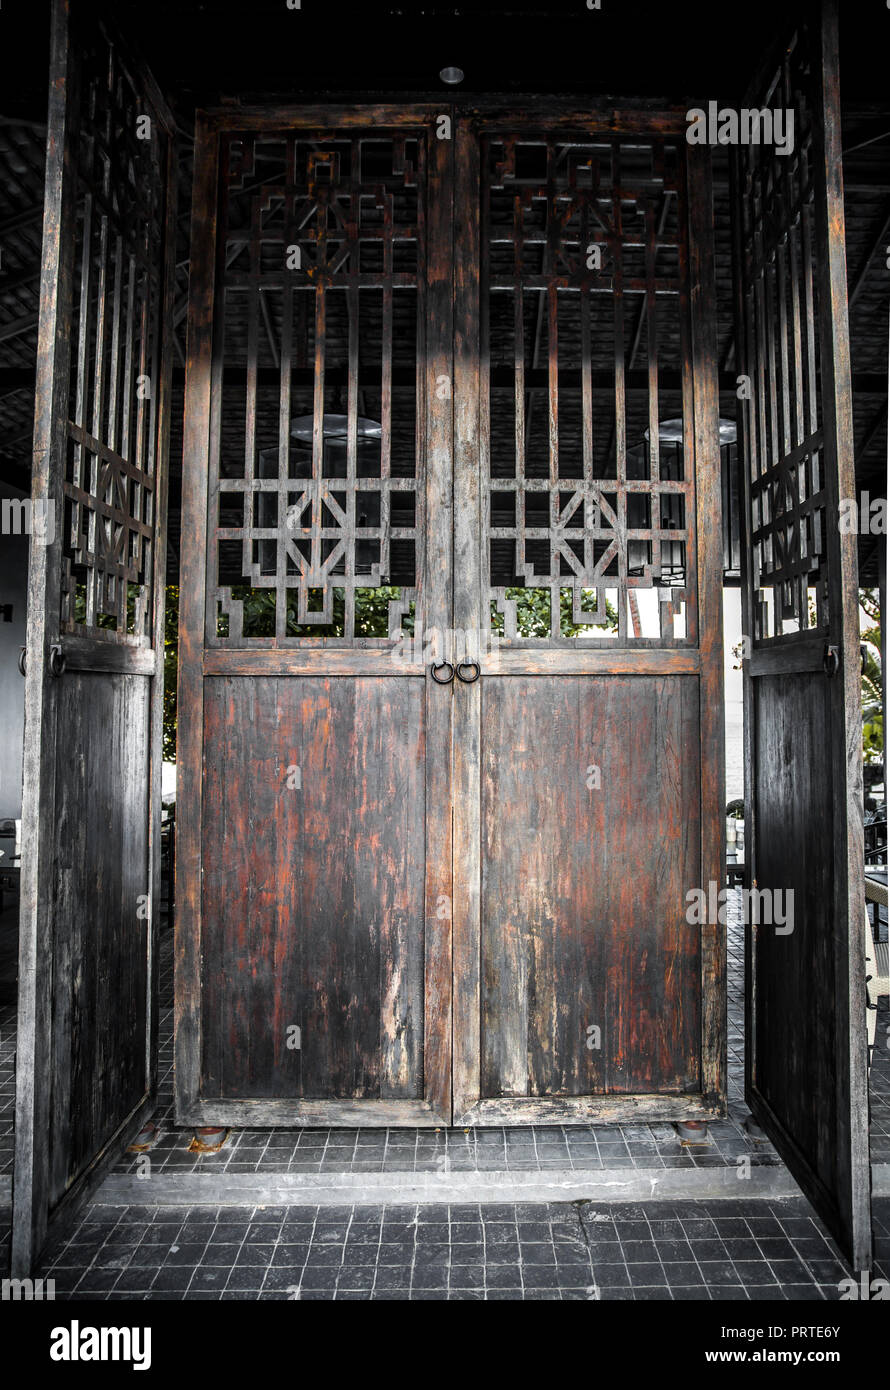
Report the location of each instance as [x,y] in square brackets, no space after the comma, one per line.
[441,1151]
[657,1250]
[736,1250]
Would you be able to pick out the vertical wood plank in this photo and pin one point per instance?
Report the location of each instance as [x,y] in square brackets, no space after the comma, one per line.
[200,370]
[33,1062]
[851,1087]
[710,608]
[159,597]
[471,476]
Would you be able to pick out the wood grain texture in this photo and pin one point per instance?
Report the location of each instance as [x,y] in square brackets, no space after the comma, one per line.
[471,467]
[707,552]
[313,897]
[100,976]
[203,380]
[588,1110]
[629,118]
[34,1052]
[792,1060]
[851,1087]
[435,444]
[583,896]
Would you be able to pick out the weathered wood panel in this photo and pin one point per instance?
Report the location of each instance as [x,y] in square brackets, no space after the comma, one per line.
[563,490]
[792,1062]
[584,886]
[806,1062]
[331,921]
[100,967]
[313,899]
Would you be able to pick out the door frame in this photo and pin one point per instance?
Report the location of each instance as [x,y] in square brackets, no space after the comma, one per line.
[196,660]
[701,401]
[452,1015]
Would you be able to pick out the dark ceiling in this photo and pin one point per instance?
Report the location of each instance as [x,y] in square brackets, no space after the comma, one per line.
[203,52]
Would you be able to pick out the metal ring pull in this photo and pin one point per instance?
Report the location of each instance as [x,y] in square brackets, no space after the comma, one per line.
[22,660]
[56,661]
[442,680]
[469,680]
[831,660]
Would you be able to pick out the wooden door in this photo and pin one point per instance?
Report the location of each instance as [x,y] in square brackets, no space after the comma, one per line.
[355,672]
[806,1056]
[86,1060]
[313,897]
[588,753]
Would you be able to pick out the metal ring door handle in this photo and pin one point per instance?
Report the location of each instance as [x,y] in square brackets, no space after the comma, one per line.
[469,680]
[56,661]
[442,680]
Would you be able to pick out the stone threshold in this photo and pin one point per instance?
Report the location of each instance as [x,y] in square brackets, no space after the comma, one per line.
[379,1189]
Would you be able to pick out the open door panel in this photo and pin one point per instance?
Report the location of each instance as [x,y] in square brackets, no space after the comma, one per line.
[806,1060]
[95,637]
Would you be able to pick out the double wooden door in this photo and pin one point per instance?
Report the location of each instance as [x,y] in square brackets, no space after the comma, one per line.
[450,755]
[450,400]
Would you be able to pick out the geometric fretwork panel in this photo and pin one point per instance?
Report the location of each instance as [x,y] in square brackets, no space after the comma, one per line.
[113,419]
[318,512]
[781,419]
[590,506]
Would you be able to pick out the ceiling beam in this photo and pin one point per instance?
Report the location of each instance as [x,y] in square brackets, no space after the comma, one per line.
[881,226]
[868,437]
[871,133]
[16,379]
[14,475]
[864,383]
[20,219]
[16,327]
[19,280]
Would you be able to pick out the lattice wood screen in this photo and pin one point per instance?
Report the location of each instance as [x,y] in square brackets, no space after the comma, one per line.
[113,414]
[782,426]
[315,457]
[590,499]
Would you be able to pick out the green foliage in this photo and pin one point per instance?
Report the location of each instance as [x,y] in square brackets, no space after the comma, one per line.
[105,621]
[371,620]
[533,613]
[371,613]
[872,707]
[171,669]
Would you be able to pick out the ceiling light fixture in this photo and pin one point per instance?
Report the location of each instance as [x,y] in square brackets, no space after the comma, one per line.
[452,75]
